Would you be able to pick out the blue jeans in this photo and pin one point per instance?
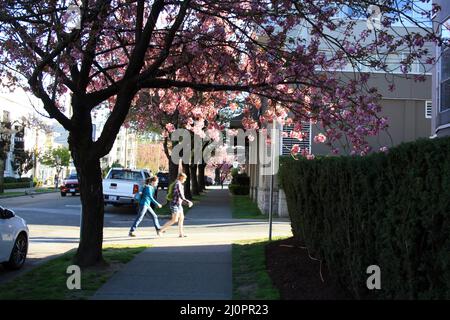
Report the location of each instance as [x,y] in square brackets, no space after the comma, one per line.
[143,210]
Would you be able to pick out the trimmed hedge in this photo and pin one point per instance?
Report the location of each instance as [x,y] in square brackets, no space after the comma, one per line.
[15,180]
[17,185]
[240,184]
[390,210]
[239,189]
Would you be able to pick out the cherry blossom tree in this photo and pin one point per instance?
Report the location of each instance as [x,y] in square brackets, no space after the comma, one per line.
[202,113]
[119,48]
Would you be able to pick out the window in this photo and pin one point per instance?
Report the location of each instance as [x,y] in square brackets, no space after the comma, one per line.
[428,109]
[417,10]
[348,12]
[444,74]
[125,175]
[287,142]
[394,64]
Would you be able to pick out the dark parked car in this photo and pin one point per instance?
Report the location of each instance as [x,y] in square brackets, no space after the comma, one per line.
[208,181]
[163,179]
[70,185]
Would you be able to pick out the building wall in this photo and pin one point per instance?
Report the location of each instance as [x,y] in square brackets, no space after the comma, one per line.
[405,108]
[124,150]
[407,122]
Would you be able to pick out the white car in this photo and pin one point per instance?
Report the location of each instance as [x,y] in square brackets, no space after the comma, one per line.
[13,239]
[121,185]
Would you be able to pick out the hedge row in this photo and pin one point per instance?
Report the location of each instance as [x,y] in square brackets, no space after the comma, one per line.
[16,185]
[240,184]
[14,180]
[390,210]
[239,190]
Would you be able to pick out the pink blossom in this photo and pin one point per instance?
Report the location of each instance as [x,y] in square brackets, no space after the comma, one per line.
[304,152]
[320,138]
[170,127]
[295,149]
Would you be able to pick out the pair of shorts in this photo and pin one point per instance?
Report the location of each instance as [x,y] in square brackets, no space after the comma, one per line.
[176,208]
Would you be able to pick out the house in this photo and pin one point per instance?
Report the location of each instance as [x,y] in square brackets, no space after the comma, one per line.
[408,109]
[13,107]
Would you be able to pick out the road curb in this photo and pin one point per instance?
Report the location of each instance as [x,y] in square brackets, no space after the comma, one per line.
[29,194]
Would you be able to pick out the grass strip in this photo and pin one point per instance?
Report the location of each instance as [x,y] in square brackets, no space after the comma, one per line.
[48,281]
[250,278]
[244,208]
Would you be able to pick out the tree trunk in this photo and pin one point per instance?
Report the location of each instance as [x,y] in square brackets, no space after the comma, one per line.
[187,184]
[201,176]
[91,230]
[173,171]
[217,177]
[2,173]
[194,180]
[173,167]
[87,164]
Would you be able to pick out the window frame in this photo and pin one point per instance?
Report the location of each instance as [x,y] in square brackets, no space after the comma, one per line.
[439,67]
[428,104]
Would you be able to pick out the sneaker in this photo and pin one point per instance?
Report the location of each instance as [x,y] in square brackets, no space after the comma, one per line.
[182,236]
[131,234]
[158,233]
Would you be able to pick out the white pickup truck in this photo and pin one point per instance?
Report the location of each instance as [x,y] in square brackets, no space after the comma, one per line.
[121,185]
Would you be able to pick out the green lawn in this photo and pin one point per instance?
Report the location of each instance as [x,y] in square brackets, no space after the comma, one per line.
[244,208]
[48,281]
[250,278]
[9,194]
[22,193]
[46,190]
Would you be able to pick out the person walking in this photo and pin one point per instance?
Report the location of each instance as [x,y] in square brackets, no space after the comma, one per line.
[56,181]
[146,199]
[176,206]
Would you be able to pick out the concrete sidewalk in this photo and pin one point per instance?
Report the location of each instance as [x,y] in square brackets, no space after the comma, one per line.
[199,270]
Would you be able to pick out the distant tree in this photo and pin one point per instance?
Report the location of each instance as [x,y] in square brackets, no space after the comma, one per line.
[115,164]
[32,122]
[151,156]
[5,143]
[23,161]
[57,158]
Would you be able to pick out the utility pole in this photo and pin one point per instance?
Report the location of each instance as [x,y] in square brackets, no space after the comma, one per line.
[274,149]
[126,140]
